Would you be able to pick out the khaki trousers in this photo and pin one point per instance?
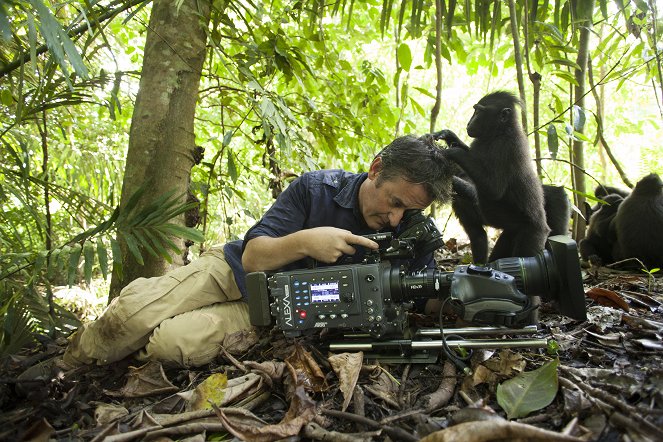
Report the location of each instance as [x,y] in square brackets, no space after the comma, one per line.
[180,317]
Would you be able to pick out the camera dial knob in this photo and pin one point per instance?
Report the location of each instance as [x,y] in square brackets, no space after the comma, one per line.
[474,269]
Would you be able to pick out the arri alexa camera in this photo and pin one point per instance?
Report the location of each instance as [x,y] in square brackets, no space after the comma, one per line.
[373,298]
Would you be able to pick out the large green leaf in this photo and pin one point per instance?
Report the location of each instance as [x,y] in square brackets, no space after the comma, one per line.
[529,391]
[404,54]
[553,140]
[72,267]
[58,41]
[102,255]
[89,256]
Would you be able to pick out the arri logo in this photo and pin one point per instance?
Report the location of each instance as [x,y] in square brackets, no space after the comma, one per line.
[320,325]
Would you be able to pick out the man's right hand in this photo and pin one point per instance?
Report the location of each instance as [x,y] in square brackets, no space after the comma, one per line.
[324,244]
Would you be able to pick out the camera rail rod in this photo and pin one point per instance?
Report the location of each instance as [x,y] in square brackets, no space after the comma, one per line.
[459,331]
[364,343]
[395,344]
[472,331]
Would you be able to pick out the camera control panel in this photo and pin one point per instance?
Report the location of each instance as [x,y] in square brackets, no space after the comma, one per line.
[339,297]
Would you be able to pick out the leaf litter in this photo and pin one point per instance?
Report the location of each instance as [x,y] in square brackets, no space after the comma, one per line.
[604,382]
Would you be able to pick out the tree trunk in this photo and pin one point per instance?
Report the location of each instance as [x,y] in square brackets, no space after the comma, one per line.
[438,65]
[519,61]
[584,12]
[161,139]
[535,78]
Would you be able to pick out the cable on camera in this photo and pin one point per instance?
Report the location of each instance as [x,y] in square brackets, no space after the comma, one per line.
[459,361]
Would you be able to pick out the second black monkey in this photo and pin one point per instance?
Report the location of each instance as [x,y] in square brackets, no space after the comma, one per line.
[508,193]
[639,223]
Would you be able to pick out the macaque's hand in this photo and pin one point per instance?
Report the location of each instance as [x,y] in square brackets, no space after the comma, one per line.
[328,244]
[595,260]
[450,138]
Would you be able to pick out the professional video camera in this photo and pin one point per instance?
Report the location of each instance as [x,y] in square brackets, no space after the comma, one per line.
[374,297]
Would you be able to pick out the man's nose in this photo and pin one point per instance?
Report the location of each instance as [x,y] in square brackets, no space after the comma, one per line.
[395,216]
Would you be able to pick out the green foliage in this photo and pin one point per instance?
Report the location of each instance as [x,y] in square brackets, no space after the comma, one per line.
[25,274]
[529,391]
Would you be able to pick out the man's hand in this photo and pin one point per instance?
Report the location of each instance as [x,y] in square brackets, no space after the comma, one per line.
[324,244]
[328,244]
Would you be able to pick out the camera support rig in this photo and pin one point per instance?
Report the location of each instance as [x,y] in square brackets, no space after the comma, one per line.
[427,342]
[374,298]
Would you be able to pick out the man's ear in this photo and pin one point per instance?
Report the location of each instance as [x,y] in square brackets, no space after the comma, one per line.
[376,168]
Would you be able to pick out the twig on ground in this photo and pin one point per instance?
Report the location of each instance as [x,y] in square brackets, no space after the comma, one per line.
[402,415]
[181,430]
[316,432]
[401,388]
[234,361]
[634,421]
[445,391]
[393,432]
[130,435]
[359,402]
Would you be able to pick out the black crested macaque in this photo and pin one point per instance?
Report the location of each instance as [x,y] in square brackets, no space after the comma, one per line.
[639,223]
[598,245]
[465,205]
[498,163]
[557,206]
[601,192]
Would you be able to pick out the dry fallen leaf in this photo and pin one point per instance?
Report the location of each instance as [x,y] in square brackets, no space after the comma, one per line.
[146,380]
[217,389]
[239,342]
[493,430]
[272,369]
[481,375]
[384,386]
[106,413]
[302,411]
[305,370]
[506,363]
[210,391]
[608,298]
[347,367]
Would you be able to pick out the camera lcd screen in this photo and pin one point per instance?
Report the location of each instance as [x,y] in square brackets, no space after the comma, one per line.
[325,292]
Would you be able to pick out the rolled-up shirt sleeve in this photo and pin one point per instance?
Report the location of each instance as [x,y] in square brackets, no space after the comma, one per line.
[287,215]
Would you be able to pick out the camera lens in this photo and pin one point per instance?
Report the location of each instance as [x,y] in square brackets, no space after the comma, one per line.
[532,274]
[429,283]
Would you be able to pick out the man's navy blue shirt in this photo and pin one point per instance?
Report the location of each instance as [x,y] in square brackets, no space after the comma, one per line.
[316,199]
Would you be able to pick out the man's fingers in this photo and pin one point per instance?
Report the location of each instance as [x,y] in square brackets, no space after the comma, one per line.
[348,250]
[362,241]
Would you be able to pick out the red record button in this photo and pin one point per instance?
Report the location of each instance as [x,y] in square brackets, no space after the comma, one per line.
[302,314]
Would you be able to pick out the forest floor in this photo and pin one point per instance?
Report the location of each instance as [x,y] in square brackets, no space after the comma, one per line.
[599,380]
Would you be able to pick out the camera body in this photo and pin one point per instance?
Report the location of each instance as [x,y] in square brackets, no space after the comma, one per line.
[374,297]
[356,296]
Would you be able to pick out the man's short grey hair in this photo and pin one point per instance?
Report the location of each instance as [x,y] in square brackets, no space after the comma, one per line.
[418,160]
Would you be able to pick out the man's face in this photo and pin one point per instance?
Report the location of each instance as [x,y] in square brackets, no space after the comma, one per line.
[383,205]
